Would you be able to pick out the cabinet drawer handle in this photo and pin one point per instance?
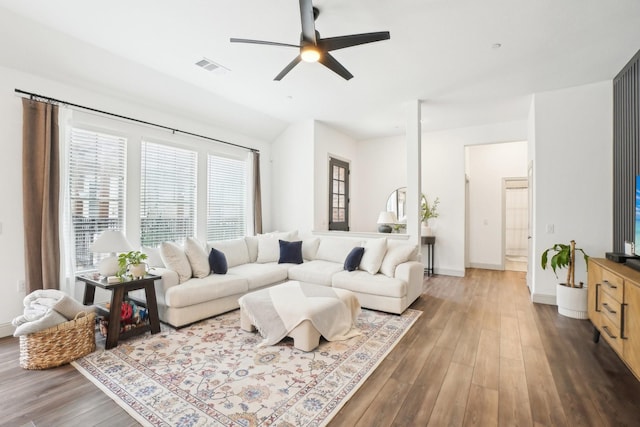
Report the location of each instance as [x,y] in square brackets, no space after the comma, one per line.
[606,329]
[597,289]
[609,309]
[609,285]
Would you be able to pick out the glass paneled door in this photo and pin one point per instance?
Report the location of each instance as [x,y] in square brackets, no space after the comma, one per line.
[338,195]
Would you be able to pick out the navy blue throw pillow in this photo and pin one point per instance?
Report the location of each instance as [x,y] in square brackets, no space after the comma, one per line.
[290,252]
[353,259]
[217,261]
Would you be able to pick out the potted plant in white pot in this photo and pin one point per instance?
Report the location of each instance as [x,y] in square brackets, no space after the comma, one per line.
[427,212]
[570,297]
[133,263]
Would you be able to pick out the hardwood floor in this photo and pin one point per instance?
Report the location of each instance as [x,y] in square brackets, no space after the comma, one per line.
[481,354]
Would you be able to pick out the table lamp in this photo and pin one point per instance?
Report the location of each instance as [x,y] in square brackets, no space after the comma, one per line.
[110,241]
[385,219]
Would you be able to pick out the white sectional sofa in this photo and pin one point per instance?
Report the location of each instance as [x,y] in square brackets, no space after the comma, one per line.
[389,276]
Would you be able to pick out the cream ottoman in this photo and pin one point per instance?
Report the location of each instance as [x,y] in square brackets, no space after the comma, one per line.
[302,311]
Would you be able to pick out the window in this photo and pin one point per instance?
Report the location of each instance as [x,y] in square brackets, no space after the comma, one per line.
[167,194]
[97,188]
[338,195]
[227,198]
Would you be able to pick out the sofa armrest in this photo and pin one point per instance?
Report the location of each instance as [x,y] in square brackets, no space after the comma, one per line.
[169,278]
[412,272]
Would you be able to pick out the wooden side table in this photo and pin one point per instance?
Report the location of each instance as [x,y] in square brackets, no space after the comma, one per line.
[429,242]
[118,292]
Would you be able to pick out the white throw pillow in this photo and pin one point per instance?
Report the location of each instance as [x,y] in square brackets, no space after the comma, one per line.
[397,253]
[268,248]
[310,248]
[252,247]
[374,250]
[175,259]
[198,258]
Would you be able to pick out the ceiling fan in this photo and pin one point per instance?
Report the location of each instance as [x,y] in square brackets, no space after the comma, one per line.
[316,49]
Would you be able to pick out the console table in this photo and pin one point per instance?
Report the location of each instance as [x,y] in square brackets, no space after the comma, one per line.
[118,292]
[429,242]
[614,308]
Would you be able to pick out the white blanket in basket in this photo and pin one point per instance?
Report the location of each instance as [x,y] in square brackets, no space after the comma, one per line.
[276,311]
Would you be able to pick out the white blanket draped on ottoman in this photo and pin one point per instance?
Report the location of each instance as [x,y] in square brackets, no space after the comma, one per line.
[276,311]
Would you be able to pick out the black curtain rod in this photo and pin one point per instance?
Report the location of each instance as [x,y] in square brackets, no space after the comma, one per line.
[57,101]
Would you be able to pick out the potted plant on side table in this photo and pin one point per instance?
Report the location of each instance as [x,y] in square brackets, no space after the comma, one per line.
[133,263]
[570,297]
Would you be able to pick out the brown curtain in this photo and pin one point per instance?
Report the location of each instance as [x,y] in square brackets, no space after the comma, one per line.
[40,189]
[257,194]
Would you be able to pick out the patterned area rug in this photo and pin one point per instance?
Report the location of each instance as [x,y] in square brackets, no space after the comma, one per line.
[212,373]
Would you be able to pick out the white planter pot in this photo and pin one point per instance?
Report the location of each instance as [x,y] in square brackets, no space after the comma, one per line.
[572,302]
[138,270]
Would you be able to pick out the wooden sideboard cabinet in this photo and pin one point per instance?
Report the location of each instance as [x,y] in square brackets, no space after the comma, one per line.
[614,308]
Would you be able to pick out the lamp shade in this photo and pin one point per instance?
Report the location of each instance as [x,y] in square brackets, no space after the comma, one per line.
[386,217]
[111,241]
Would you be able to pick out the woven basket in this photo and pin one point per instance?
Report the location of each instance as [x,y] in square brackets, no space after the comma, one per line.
[60,344]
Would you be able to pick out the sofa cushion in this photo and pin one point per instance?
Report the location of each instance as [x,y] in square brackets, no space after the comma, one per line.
[397,253]
[197,257]
[375,284]
[352,261]
[259,275]
[214,286]
[335,249]
[317,271]
[374,250]
[290,252]
[235,250]
[218,262]
[175,259]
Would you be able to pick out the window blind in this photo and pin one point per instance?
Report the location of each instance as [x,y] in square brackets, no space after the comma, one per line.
[226,201]
[97,188]
[167,194]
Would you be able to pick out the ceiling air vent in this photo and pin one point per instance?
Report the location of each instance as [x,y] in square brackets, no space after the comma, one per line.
[209,65]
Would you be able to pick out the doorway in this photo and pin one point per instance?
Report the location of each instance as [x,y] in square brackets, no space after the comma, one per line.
[516,223]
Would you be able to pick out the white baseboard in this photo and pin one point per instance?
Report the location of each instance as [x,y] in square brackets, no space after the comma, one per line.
[6,330]
[447,272]
[544,299]
[498,267]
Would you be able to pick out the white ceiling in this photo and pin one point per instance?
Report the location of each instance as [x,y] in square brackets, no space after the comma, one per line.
[440,51]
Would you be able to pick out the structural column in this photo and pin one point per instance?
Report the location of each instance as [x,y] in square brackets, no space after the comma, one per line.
[414,170]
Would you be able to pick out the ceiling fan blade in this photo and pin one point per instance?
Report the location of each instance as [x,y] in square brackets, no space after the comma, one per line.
[288,68]
[234,40]
[334,43]
[332,63]
[308,22]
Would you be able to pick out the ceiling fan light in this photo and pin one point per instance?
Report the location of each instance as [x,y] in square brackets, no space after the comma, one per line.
[310,54]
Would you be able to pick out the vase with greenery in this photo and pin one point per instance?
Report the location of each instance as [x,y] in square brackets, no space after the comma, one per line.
[429,211]
[135,259]
[571,298]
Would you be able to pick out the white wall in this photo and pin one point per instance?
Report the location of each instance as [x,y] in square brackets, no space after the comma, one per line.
[487,165]
[383,169]
[292,165]
[573,177]
[11,236]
